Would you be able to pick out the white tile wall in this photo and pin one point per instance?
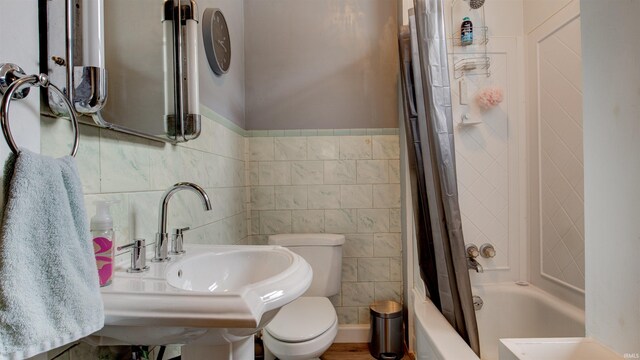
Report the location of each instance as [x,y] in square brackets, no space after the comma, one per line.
[136,172]
[335,184]
[259,186]
[561,156]
[322,148]
[489,164]
[483,177]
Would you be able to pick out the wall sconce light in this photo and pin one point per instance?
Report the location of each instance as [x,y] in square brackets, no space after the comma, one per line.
[75,62]
[184,35]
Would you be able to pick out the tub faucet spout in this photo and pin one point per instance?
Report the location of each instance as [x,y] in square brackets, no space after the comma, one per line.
[473,264]
[162,238]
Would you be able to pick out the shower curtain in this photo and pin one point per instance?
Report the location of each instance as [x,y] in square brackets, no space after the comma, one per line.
[429,127]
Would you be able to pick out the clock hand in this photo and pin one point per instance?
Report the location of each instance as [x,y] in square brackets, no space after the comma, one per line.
[222,44]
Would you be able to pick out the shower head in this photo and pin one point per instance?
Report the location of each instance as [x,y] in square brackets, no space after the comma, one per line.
[476,4]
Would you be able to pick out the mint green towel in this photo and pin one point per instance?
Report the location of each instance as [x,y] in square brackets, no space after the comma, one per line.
[49,292]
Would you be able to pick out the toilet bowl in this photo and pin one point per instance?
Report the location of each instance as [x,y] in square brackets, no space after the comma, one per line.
[302,330]
[305,328]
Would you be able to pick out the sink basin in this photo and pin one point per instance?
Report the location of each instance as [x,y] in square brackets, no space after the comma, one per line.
[227,272]
[212,295]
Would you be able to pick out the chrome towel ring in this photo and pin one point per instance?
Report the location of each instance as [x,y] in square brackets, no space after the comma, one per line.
[12,81]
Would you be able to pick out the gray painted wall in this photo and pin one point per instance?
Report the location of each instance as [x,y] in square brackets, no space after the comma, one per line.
[225,94]
[320,64]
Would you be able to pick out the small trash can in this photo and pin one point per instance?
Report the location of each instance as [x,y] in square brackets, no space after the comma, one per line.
[385,336]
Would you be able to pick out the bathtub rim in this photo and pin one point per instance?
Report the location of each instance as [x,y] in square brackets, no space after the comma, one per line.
[444,340]
[446,343]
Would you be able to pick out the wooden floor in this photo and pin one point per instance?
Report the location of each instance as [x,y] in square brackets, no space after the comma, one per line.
[347,352]
[353,352]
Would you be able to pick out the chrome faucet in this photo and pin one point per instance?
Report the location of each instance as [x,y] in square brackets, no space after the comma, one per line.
[472,253]
[162,238]
[473,264]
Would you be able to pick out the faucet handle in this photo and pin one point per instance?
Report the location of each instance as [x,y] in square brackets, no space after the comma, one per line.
[135,244]
[487,251]
[138,255]
[181,230]
[177,241]
[472,251]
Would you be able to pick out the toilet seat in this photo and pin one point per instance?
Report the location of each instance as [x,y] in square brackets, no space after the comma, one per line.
[303,319]
[302,330]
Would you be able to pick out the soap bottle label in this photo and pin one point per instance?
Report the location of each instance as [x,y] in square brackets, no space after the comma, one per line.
[103,250]
[466,32]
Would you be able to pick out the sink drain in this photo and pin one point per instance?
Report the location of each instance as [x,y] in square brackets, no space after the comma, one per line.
[179,273]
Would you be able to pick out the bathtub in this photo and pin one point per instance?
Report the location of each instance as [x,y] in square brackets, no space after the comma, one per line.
[509,311]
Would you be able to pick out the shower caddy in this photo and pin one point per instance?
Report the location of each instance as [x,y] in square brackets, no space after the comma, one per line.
[476,61]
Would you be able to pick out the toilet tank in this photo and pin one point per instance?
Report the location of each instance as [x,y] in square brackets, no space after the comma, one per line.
[323,252]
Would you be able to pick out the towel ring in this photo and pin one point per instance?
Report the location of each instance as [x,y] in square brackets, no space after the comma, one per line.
[41,80]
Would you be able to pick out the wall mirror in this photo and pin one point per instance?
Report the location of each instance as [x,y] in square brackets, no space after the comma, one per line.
[126,65]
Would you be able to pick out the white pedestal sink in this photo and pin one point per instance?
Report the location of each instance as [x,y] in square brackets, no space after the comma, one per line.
[212,300]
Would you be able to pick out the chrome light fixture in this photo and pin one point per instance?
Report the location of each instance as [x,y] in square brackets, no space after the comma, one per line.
[75,62]
[183,123]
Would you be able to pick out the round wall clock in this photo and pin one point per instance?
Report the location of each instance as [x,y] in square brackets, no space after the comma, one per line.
[217,44]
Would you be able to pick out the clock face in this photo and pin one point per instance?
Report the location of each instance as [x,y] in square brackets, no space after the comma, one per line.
[217,43]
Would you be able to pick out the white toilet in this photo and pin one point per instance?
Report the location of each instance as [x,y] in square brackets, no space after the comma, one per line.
[305,328]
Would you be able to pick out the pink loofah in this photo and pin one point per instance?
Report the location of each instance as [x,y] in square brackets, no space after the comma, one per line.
[489,97]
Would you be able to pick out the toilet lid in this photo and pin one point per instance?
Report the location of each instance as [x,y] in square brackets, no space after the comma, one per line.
[303,319]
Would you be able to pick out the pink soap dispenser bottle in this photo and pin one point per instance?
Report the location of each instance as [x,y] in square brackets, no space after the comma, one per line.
[103,241]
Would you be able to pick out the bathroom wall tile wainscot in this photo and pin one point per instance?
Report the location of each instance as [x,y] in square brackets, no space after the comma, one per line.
[329,181]
[334,182]
[136,172]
